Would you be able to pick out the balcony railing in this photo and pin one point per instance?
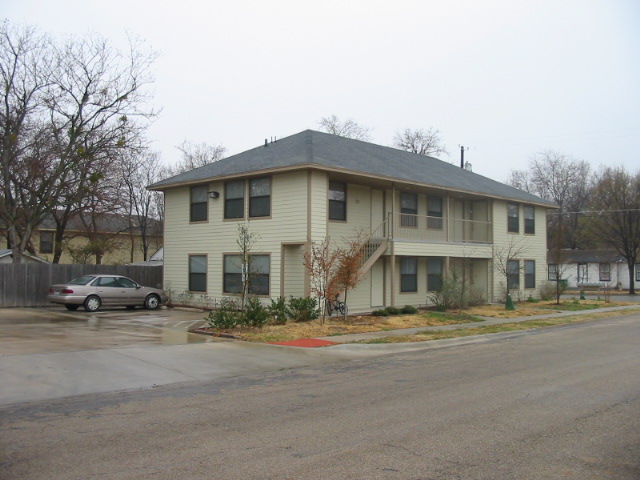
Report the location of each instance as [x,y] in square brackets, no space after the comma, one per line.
[422,228]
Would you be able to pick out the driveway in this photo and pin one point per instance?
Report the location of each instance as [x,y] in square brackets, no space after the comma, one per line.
[54,329]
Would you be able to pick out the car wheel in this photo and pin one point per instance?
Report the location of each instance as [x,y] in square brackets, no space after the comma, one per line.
[92,303]
[73,308]
[151,302]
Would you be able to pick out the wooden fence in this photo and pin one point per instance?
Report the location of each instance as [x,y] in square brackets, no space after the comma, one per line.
[27,284]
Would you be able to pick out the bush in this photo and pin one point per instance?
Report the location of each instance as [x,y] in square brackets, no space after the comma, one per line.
[393,310]
[548,290]
[278,311]
[449,294]
[255,315]
[227,315]
[380,313]
[409,310]
[303,309]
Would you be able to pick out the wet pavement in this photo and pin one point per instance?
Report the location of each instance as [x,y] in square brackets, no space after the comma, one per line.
[54,329]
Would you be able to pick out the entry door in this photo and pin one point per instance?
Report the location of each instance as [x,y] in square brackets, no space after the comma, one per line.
[377,208]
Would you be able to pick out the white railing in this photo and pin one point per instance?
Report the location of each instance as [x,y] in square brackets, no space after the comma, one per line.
[422,228]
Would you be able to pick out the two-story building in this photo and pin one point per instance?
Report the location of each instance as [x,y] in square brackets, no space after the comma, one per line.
[420,217]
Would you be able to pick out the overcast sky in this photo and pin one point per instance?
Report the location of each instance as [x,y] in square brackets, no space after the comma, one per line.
[506,79]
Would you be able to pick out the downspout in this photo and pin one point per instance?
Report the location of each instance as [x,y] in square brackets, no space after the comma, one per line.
[393,254]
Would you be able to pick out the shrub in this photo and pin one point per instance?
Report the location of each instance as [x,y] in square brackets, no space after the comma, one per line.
[255,315]
[548,290]
[393,310]
[227,315]
[409,309]
[278,311]
[185,297]
[303,309]
[449,294]
[380,313]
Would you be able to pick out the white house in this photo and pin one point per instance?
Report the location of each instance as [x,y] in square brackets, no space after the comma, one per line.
[585,268]
[422,218]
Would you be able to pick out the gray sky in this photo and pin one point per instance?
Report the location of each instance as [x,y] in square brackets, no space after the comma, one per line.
[505,78]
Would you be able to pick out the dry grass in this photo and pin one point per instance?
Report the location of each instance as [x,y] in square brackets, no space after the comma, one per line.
[526,309]
[353,324]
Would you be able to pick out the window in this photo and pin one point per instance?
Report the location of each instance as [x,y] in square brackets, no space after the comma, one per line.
[529,220]
[434,274]
[552,272]
[513,218]
[529,274]
[106,282]
[258,270]
[260,197]
[434,212]
[199,197]
[513,274]
[409,274]
[605,272]
[46,242]
[125,282]
[197,273]
[234,199]
[337,201]
[637,272]
[583,273]
[409,208]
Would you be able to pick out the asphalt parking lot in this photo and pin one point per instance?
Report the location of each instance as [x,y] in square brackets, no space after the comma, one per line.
[54,329]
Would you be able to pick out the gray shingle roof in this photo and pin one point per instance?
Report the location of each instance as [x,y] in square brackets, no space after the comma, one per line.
[322,150]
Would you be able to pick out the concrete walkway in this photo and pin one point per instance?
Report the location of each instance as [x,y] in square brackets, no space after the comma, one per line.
[51,376]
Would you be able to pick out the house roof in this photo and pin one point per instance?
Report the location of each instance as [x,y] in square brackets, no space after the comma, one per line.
[587,256]
[105,222]
[7,252]
[331,152]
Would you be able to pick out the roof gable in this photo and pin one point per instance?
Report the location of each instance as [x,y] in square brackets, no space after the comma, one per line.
[322,150]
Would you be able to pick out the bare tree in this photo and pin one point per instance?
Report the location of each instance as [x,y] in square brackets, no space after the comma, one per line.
[564,180]
[506,261]
[345,128]
[69,109]
[321,262]
[616,222]
[196,155]
[420,141]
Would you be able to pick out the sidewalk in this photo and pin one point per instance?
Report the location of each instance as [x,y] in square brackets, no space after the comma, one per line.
[355,337]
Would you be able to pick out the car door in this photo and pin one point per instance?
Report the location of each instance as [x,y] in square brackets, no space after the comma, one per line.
[129,292]
[108,290]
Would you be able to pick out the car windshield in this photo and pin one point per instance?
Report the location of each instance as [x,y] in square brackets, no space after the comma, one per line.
[82,280]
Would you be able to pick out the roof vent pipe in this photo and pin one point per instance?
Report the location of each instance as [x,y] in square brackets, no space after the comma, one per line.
[266,143]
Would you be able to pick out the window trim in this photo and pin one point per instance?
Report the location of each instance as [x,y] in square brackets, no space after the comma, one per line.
[251,198]
[529,223]
[206,271]
[226,291]
[608,272]
[409,216]
[530,276]
[50,242]
[414,275]
[343,202]
[205,203]
[225,214]
[585,268]
[510,218]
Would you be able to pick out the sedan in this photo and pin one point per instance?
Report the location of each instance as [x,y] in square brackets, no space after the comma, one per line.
[93,291]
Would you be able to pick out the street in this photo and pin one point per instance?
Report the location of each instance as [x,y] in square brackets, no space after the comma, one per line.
[552,403]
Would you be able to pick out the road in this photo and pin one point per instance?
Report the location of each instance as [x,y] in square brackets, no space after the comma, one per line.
[553,403]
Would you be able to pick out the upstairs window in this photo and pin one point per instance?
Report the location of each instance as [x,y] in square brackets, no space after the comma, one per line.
[605,272]
[260,197]
[513,218]
[409,209]
[513,274]
[529,220]
[337,201]
[46,242]
[198,211]
[434,212]
[234,199]
[529,274]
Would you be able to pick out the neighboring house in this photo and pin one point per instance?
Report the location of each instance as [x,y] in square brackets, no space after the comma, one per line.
[6,256]
[155,260]
[421,217]
[121,242]
[587,268]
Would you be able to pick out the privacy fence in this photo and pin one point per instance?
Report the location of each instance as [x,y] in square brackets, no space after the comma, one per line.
[27,284]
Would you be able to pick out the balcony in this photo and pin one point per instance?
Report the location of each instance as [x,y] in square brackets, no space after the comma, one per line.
[425,229]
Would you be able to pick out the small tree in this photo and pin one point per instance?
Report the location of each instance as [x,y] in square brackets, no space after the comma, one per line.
[245,242]
[506,262]
[349,262]
[558,256]
[321,261]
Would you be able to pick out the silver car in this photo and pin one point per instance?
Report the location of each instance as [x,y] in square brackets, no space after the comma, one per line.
[92,291]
